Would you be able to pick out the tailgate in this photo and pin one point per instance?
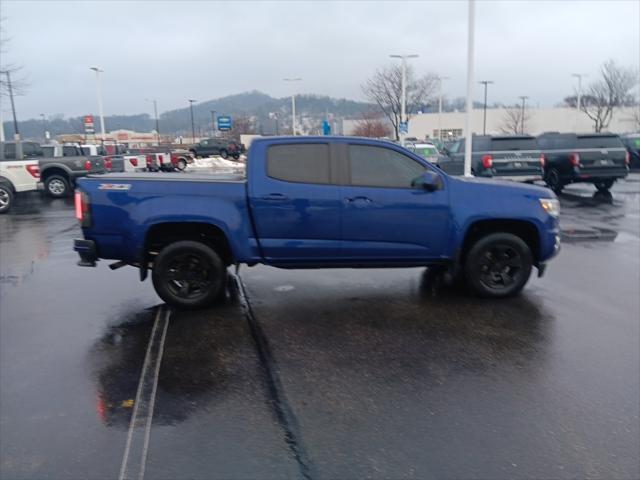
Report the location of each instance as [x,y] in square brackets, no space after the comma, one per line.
[601,161]
[517,164]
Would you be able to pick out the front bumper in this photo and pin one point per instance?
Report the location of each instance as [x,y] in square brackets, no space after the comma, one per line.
[87,251]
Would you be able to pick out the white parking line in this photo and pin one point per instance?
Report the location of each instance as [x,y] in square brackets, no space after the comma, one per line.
[135,452]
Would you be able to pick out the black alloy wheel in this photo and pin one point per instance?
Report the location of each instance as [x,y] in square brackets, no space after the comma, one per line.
[498,265]
[188,275]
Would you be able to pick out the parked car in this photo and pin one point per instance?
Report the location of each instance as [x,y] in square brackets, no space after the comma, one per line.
[63,165]
[428,151]
[316,202]
[16,176]
[632,144]
[504,157]
[217,146]
[598,158]
[29,150]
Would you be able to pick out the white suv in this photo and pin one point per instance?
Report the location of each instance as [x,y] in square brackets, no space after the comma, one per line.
[16,176]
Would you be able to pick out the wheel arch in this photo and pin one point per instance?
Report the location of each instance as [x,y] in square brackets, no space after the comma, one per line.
[54,170]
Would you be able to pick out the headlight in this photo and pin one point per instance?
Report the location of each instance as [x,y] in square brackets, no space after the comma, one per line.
[551,206]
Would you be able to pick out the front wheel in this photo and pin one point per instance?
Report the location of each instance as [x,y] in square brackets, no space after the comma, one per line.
[498,265]
[57,186]
[604,185]
[6,198]
[188,275]
[181,164]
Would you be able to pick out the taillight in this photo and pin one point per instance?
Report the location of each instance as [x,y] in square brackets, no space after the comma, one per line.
[542,159]
[574,158]
[149,160]
[487,161]
[81,203]
[34,170]
[108,164]
[161,158]
[627,158]
[133,161]
[87,165]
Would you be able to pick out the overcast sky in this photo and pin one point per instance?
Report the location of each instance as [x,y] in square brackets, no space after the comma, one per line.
[176,50]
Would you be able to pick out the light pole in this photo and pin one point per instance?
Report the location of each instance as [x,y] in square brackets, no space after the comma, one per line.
[193,127]
[99,92]
[213,123]
[16,135]
[484,122]
[440,106]
[578,104]
[403,101]
[467,122]
[44,127]
[293,105]
[524,99]
[155,112]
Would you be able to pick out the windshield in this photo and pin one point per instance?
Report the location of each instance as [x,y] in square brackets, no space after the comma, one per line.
[514,144]
[599,141]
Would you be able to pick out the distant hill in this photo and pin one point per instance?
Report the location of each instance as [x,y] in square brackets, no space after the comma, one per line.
[257,105]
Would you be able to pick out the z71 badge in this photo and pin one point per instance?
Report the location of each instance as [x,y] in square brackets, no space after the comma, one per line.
[114,186]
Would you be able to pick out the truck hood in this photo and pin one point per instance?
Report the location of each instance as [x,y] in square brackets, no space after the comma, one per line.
[501,187]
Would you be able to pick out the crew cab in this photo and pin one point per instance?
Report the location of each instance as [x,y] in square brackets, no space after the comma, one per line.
[316,202]
[217,146]
[598,158]
[16,176]
[505,157]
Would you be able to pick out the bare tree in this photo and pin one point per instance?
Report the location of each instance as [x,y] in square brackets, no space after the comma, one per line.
[372,125]
[19,82]
[241,126]
[385,89]
[515,120]
[603,96]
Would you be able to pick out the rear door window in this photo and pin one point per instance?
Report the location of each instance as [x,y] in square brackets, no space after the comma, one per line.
[70,151]
[382,167]
[599,141]
[303,163]
[499,144]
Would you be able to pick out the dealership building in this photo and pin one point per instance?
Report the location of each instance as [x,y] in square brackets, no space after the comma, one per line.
[537,121]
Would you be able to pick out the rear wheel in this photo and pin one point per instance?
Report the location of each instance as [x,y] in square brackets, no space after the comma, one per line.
[6,198]
[181,164]
[188,275]
[224,153]
[604,185]
[57,186]
[553,181]
[498,265]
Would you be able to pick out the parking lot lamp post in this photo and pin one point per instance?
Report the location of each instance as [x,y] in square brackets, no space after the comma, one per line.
[440,79]
[44,127]
[193,126]
[467,124]
[213,123]
[155,112]
[578,100]
[484,122]
[99,93]
[16,135]
[403,98]
[293,105]
[524,99]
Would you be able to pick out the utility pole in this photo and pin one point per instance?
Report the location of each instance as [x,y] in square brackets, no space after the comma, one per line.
[100,110]
[213,123]
[293,105]
[193,127]
[484,123]
[403,101]
[524,99]
[467,124]
[440,106]
[16,135]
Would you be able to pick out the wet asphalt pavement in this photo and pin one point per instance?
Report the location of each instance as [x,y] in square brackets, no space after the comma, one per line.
[323,373]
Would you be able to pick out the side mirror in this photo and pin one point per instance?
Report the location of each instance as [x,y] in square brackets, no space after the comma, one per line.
[429,181]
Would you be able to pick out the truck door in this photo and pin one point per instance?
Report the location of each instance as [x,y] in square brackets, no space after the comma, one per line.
[385,218]
[295,203]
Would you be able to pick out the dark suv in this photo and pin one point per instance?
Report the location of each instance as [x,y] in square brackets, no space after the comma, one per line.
[598,158]
[632,142]
[513,157]
[216,146]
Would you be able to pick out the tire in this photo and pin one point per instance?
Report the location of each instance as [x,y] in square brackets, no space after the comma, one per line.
[604,185]
[6,197]
[188,275]
[498,265]
[553,181]
[224,153]
[181,164]
[194,153]
[57,186]
[235,156]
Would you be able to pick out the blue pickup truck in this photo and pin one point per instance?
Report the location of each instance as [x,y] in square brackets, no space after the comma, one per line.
[316,202]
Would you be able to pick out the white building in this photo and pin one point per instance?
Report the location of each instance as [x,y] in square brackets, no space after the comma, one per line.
[538,120]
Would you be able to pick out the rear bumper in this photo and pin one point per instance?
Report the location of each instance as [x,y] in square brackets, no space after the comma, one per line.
[519,178]
[87,251]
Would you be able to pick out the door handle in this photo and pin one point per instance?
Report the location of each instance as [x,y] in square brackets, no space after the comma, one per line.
[359,198]
[274,197]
